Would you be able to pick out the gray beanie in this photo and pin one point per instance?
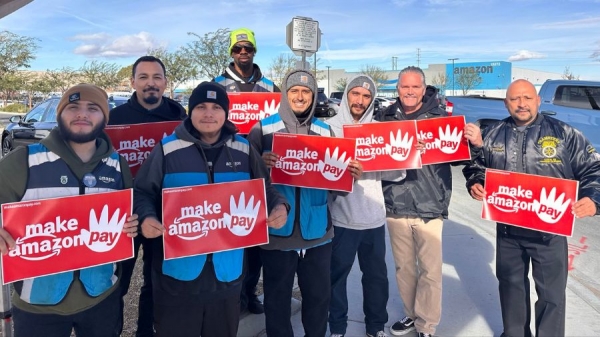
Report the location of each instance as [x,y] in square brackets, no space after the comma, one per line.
[363,82]
[302,78]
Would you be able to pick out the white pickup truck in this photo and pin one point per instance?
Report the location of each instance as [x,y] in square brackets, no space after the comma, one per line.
[574,102]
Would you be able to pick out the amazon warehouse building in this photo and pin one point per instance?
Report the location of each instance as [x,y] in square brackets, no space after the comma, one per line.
[459,79]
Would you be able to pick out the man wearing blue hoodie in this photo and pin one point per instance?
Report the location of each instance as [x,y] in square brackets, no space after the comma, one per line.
[359,225]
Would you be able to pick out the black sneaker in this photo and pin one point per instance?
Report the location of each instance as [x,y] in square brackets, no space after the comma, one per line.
[423,334]
[255,306]
[402,327]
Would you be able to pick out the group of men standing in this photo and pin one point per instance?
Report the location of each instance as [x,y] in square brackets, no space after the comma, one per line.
[314,234]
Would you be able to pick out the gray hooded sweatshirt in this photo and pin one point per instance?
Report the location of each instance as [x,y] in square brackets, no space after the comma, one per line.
[364,207]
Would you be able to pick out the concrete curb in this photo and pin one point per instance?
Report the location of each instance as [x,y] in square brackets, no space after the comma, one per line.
[254,325]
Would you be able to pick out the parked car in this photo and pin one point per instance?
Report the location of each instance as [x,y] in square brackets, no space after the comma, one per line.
[336,94]
[322,109]
[334,104]
[37,123]
[574,102]
[384,102]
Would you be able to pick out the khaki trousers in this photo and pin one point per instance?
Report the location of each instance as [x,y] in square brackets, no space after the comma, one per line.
[417,249]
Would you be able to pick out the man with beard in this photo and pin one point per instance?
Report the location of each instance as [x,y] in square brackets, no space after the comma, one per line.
[516,144]
[242,75]
[358,223]
[68,162]
[303,245]
[146,105]
[416,208]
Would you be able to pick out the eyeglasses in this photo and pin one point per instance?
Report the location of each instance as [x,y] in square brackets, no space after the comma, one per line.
[238,48]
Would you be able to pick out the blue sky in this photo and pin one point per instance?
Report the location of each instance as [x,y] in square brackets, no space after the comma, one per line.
[544,35]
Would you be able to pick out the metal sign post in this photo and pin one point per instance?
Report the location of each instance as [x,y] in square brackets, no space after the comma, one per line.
[5,313]
[303,36]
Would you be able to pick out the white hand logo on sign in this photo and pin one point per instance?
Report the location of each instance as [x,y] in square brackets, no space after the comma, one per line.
[333,167]
[103,234]
[243,216]
[399,148]
[448,141]
[269,110]
[549,208]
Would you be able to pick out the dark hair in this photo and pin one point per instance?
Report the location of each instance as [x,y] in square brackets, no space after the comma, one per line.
[147,58]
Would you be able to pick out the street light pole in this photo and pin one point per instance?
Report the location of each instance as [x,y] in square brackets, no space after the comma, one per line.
[328,85]
[453,59]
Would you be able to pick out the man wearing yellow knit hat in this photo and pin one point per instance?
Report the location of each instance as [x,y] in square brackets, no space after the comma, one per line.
[242,75]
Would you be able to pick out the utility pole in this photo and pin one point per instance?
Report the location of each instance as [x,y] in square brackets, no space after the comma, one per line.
[394,63]
[328,85]
[453,59]
[419,57]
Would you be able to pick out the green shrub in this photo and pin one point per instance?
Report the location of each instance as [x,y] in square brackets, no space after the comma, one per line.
[16,107]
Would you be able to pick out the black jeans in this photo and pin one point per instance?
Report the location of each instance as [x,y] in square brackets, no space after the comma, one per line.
[549,263]
[313,268]
[211,318]
[369,245]
[101,320]
[253,265]
[144,322]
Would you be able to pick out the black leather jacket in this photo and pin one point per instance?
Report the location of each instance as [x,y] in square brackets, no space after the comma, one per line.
[546,147]
[424,193]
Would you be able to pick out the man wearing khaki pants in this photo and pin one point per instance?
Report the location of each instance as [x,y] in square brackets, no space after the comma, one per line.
[416,207]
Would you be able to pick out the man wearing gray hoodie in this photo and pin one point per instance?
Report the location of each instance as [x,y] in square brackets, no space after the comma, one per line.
[303,245]
[358,222]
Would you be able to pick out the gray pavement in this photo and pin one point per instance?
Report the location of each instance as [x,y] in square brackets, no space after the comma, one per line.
[470,304]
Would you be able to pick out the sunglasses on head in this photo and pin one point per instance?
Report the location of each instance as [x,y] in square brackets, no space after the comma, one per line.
[238,48]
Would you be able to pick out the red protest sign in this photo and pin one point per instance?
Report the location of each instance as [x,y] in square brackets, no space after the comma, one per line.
[444,141]
[313,161]
[385,146]
[214,217]
[135,141]
[530,201]
[247,108]
[52,236]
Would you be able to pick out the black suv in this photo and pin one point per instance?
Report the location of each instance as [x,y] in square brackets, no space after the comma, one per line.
[323,109]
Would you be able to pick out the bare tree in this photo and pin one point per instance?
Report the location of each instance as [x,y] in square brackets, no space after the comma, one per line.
[210,52]
[15,52]
[467,81]
[340,85]
[376,73]
[568,74]
[102,74]
[281,65]
[62,79]
[441,82]
[180,67]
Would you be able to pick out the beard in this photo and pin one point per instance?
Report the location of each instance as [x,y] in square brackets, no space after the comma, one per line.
[70,136]
[151,99]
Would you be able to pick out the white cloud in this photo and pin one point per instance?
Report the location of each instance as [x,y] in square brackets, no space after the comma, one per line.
[524,55]
[123,46]
[571,24]
[88,37]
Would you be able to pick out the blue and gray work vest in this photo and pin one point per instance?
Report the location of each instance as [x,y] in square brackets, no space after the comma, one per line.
[185,166]
[263,85]
[51,177]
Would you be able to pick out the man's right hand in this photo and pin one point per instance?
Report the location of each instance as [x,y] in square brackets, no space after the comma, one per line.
[6,242]
[477,192]
[152,228]
[270,159]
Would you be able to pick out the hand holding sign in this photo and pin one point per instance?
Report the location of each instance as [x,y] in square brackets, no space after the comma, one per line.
[103,233]
[242,219]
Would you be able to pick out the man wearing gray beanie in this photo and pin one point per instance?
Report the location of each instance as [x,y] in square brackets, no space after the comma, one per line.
[303,245]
